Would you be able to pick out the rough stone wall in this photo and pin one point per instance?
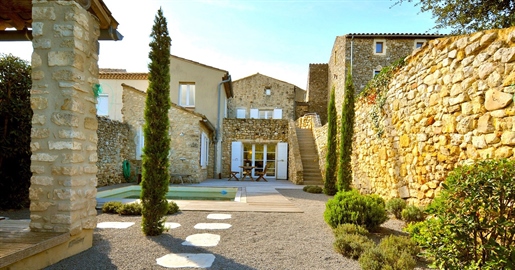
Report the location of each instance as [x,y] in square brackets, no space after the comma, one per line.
[114,146]
[250,130]
[295,168]
[186,128]
[301,108]
[317,90]
[249,93]
[64,124]
[450,105]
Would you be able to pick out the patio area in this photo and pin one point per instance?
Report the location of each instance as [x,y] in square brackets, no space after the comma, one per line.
[17,242]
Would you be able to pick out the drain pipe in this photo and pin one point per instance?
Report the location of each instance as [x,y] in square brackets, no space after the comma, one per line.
[218,139]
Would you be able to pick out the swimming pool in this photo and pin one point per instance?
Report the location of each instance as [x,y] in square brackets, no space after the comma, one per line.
[132,193]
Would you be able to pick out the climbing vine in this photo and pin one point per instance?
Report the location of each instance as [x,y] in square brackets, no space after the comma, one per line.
[375,94]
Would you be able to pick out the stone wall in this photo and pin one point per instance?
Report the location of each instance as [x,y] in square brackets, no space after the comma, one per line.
[317,90]
[186,128]
[450,105]
[249,93]
[114,146]
[64,124]
[295,168]
[250,130]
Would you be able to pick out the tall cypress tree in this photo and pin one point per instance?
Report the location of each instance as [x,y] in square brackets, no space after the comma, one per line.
[156,177]
[331,157]
[346,133]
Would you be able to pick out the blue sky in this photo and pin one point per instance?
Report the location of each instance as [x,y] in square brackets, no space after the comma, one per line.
[277,38]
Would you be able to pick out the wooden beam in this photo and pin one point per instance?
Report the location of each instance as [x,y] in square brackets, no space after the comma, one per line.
[16,21]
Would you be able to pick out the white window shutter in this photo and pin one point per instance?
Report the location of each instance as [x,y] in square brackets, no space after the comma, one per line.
[240,113]
[204,142]
[236,156]
[140,142]
[278,114]
[103,104]
[254,113]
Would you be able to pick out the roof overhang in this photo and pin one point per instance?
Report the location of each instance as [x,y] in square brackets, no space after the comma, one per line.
[228,86]
[17,15]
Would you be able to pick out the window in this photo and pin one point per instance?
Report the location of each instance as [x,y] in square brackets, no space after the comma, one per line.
[187,94]
[379,46]
[204,150]
[241,113]
[265,114]
[419,43]
[103,104]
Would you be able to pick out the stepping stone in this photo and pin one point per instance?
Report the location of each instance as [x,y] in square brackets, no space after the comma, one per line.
[218,216]
[212,226]
[172,225]
[178,260]
[202,240]
[114,225]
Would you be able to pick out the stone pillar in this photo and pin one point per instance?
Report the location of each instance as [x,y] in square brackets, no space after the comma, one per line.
[64,125]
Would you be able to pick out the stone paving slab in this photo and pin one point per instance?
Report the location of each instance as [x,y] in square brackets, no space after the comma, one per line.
[114,225]
[180,260]
[202,240]
[219,216]
[212,226]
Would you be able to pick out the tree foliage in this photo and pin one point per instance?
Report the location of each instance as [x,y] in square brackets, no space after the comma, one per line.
[155,175]
[331,157]
[469,16]
[15,127]
[347,131]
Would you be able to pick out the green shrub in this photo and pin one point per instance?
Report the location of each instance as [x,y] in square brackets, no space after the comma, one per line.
[130,209]
[413,213]
[352,245]
[352,207]
[312,189]
[395,207]
[348,228]
[172,208]
[111,207]
[473,222]
[393,252]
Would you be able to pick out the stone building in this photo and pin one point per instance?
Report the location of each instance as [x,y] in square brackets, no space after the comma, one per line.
[191,134]
[256,128]
[365,55]
[110,99]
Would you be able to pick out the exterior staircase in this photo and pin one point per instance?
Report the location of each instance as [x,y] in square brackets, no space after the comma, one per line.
[309,157]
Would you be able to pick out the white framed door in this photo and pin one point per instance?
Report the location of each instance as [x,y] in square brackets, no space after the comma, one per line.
[260,155]
[236,156]
[282,160]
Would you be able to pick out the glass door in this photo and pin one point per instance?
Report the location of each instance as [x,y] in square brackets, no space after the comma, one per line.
[258,155]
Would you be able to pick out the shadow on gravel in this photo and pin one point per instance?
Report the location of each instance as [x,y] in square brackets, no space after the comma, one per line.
[174,245]
[302,195]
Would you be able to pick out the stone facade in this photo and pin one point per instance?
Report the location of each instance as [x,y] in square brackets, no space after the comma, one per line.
[114,146]
[64,138]
[250,130]
[450,105]
[186,128]
[318,96]
[358,51]
[251,93]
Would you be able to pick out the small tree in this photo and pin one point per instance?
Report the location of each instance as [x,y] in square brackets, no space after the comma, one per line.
[469,16]
[346,133]
[155,176]
[331,157]
[15,127]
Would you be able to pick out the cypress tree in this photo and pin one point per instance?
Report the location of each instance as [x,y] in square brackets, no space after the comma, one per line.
[155,175]
[331,160]
[346,133]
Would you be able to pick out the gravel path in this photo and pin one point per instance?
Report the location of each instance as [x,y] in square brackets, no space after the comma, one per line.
[255,240]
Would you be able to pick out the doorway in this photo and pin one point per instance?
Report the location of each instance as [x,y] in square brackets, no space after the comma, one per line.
[258,155]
